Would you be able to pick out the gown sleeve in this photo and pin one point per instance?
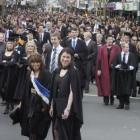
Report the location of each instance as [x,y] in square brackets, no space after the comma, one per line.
[77,95]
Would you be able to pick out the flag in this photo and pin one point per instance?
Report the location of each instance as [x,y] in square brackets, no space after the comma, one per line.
[42,91]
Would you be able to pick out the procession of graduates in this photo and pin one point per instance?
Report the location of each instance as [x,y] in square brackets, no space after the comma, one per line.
[48,61]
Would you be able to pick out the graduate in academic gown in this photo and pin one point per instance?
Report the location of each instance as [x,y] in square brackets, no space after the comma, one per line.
[106,55]
[66,107]
[124,64]
[30,49]
[35,119]
[8,78]
[91,59]
[80,55]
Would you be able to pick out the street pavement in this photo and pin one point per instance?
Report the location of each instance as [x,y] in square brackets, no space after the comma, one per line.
[100,122]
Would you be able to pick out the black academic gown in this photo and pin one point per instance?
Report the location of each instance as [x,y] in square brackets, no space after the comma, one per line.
[91,61]
[34,120]
[80,62]
[123,77]
[21,79]
[8,78]
[68,129]
[22,71]
[41,42]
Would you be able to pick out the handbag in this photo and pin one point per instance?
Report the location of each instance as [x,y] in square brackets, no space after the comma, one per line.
[15,115]
[61,104]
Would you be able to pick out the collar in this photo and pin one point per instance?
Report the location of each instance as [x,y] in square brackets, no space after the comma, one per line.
[125,53]
[75,39]
[88,41]
[57,48]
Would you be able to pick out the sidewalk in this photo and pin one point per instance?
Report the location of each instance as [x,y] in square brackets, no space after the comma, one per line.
[93,92]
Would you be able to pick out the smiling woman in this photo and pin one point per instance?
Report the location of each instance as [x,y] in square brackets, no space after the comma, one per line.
[66,105]
[30,48]
[35,120]
[66,59]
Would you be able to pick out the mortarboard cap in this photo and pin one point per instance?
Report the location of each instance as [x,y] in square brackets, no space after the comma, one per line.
[32,30]
[13,37]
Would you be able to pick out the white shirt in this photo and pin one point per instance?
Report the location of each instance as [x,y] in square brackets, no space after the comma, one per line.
[87,42]
[96,26]
[58,50]
[126,56]
[41,35]
[126,61]
[74,39]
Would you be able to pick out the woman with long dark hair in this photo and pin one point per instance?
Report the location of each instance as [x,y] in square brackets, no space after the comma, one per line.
[35,118]
[66,105]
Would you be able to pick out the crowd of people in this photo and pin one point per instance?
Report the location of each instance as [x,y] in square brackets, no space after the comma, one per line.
[48,60]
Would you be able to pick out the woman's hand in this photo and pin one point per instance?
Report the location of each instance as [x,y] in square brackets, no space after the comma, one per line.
[76,55]
[51,112]
[4,61]
[99,72]
[118,66]
[33,90]
[66,113]
[19,105]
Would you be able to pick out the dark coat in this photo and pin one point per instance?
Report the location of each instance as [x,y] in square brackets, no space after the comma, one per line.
[80,62]
[2,49]
[70,128]
[64,42]
[8,73]
[124,78]
[48,52]
[34,120]
[63,32]
[46,38]
[91,60]
[92,51]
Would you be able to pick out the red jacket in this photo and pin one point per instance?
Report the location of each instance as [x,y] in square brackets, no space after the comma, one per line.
[103,81]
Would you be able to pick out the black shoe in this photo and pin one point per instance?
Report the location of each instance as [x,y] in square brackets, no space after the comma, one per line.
[111,102]
[120,107]
[106,100]
[126,107]
[106,103]
[134,95]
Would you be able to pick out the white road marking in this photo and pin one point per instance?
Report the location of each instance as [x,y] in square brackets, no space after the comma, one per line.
[94,95]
